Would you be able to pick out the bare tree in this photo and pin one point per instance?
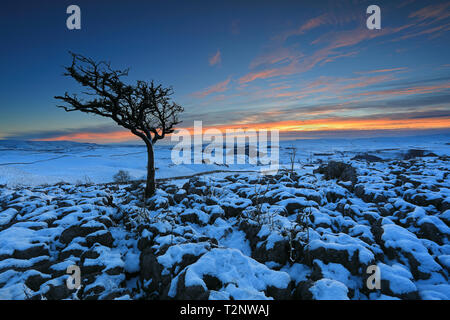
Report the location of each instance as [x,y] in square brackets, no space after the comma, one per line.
[292,156]
[145,109]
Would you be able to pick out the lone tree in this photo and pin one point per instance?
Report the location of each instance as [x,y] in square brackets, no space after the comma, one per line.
[145,109]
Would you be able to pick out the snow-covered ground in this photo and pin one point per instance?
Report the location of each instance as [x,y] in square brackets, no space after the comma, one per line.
[32,163]
[311,234]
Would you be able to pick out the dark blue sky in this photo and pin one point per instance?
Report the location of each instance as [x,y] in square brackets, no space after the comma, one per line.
[297,65]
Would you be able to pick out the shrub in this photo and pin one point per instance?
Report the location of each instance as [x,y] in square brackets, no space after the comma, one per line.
[122,176]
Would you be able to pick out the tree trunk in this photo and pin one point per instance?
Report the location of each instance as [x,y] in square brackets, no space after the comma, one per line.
[151,184]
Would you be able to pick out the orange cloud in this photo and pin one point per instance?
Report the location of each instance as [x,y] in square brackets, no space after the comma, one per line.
[279,55]
[407,91]
[436,12]
[215,59]
[324,124]
[324,19]
[366,81]
[115,136]
[385,70]
[300,63]
[310,24]
[336,124]
[219,87]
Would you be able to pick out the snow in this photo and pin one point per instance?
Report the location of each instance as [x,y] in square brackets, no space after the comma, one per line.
[175,253]
[298,272]
[35,163]
[343,242]
[7,215]
[398,276]
[338,272]
[18,238]
[405,230]
[132,262]
[245,277]
[328,289]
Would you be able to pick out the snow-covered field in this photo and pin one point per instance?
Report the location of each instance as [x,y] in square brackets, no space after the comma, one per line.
[33,163]
[311,234]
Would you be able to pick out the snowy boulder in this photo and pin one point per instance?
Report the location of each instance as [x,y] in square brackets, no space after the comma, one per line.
[372,195]
[396,281]
[251,229]
[328,289]
[424,198]
[335,193]
[158,268]
[274,196]
[75,231]
[57,292]
[367,157]
[190,291]
[177,257]
[31,252]
[445,205]
[20,243]
[214,211]
[319,219]
[417,153]
[7,216]
[233,274]
[343,249]
[431,291]
[294,205]
[35,279]
[338,170]
[151,271]
[274,248]
[194,216]
[335,271]
[433,228]
[180,195]
[102,237]
[233,206]
[399,243]
[158,201]
[73,250]
[101,259]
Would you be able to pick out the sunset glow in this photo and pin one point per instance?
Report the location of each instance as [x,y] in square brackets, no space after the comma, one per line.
[302,67]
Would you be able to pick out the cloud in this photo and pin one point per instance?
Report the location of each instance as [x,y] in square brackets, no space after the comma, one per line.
[433,32]
[103,133]
[277,56]
[219,87]
[288,63]
[425,17]
[309,25]
[407,91]
[269,73]
[405,3]
[215,59]
[383,70]
[379,122]
[329,18]
[114,136]
[435,12]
